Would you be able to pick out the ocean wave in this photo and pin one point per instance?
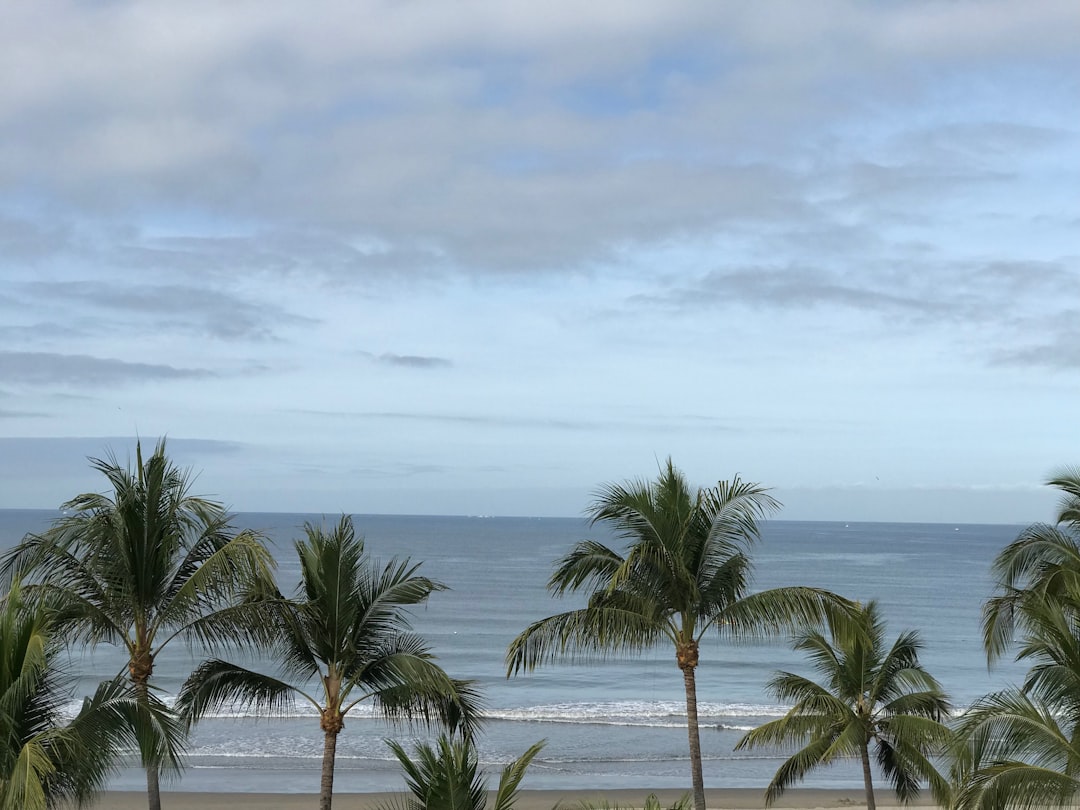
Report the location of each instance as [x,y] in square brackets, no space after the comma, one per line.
[648,713]
[659,714]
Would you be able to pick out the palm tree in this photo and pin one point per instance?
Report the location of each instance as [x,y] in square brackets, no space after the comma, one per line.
[144,566]
[1019,747]
[346,640]
[43,761]
[685,573]
[871,695]
[1043,562]
[446,776]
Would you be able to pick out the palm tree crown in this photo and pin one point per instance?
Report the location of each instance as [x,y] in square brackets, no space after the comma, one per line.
[871,695]
[43,761]
[447,776]
[1019,747]
[685,572]
[146,565]
[344,639]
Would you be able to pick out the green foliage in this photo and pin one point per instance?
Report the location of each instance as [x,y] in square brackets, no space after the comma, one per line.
[44,761]
[685,572]
[870,694]
[143,566]
[447,776]
[347,629]
[1020,748]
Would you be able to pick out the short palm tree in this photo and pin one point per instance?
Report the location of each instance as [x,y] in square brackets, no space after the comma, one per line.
[345,639]
[685,573]
[447,776]
[871,695]
[145,566]
[1019,748]
[44,761]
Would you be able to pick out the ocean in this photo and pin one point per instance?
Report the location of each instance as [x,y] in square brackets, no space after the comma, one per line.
[613,724]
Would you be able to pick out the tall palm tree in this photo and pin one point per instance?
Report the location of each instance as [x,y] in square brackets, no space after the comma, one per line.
[346,639]
[685,573]
[145,566]
[1019,747]
[44,761]
[447,776]
[871,695]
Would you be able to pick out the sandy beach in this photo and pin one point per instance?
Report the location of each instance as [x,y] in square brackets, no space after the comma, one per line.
[718,799]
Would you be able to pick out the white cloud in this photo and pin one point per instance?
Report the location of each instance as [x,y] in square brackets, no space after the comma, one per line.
[808,225]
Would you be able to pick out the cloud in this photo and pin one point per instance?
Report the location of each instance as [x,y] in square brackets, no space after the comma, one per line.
[690,423]
[1060,351]
[48,368]
[408,360]
[501,139]
[796,288]
[169,308]
[414,361]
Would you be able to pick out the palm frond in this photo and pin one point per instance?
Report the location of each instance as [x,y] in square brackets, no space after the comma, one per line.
[588,565]
[906,745]
[595,632]
[510,779]
[1017,786]
[1068,481]
[776,611]
[445,775]
[217,684]
[820,750]
[408,686]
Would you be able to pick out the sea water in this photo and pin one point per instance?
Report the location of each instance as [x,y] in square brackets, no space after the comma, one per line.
[614,723]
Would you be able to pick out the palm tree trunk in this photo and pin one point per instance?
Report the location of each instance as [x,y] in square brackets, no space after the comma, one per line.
[868,778]
[695,737]
[140,671]
[153,790]
[326,787]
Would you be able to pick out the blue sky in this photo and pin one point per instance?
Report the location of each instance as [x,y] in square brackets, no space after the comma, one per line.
[479,258]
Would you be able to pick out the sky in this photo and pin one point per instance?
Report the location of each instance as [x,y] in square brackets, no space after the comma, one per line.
[484,257]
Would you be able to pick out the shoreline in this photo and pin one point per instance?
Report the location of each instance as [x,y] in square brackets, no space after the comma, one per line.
[716,799]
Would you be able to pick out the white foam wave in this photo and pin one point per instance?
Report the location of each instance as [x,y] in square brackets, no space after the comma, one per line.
[659,714]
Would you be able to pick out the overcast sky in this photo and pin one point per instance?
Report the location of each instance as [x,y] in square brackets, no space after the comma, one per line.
[481,257]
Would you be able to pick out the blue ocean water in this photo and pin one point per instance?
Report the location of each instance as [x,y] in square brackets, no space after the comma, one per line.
[613,724]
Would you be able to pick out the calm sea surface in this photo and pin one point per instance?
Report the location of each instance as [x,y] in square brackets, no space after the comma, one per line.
[614,724]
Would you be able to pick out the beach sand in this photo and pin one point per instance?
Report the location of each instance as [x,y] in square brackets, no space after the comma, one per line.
[717,799]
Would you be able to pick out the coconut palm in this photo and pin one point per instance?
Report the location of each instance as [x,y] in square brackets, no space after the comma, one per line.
[685,573]
[1019,747]
[1043,561]
[871,695]
[1017,751]
[145,566]
[44,761]
[447,776]
[346,640]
